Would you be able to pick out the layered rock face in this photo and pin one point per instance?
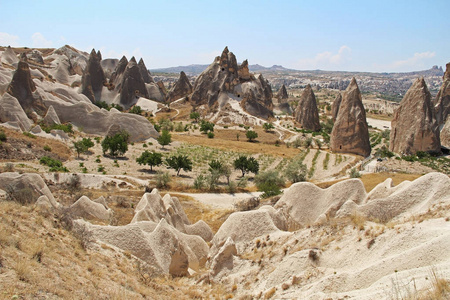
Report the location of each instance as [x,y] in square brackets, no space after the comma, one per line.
[282,94]
[350,132]
[93,77]
[306,112]
[181,88]
[414,127]
[445,134]
[224,76]
[442,101]
[335,106]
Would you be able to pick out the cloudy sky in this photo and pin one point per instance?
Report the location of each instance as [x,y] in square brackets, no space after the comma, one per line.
[379,36]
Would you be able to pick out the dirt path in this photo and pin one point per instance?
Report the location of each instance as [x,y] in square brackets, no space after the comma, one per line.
[222,201]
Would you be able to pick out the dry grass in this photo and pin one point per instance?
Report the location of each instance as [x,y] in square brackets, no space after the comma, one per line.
[238,146]
[373,179]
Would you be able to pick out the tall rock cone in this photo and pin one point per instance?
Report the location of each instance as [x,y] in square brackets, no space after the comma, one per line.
[244,72]
[282,94]
[93,77]
[144,72]
[116,76]
[414,127]
[22,88]
[442,102]
[181,88]
[306,112]
[132,86]
[350,132]
[335,106]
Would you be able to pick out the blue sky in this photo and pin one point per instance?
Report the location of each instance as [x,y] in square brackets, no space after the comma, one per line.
[379,36]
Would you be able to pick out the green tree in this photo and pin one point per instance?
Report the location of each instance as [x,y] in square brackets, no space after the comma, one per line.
[179,162]
[296,171]
[83,146]
[116,144]
[206,126]
[268,126]
[165,138]
[269,183]
[194,116]
[251,135]
[150,158]
[246,164]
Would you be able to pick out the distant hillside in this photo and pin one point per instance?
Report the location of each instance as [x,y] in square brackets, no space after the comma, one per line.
[197,69]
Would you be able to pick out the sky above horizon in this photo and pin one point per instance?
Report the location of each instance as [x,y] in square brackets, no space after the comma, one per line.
[372,36]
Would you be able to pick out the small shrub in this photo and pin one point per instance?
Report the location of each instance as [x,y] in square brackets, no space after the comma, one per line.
[136,110]
[23,196]
[47,148]
[199,182]
[100,169]
[210,135]
[30,135]
[162,179]
[3,137]
[269,183]
[354,173]
[54,164]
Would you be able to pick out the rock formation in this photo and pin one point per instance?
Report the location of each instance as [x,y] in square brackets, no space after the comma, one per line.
[414,126]
[144,72]
[118,71]
[88,209]
[132,85]
[445,134]
[350,132]
[181,88]
[12,113]
[51,118]
[9,56]
[36,56]
[335,106]
[306,112]
[225,80]
[442,101]
[282,94]
[93,78]
[22,86]
[108,66]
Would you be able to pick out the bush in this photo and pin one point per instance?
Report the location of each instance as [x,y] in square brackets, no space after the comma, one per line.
[162,179]
[206,126]
[179,162]
[384,152]
[199,182]
[67,128]
[83,145]
[2,136]
[210,135]
[136,110]
[296,171]
[246,164]
[47,148]
[354,173]
[195,116]
[251,135]
[165,138]
[150,158]
[269,183]
[54,164]
[22,196]
[117,144]
[268,126]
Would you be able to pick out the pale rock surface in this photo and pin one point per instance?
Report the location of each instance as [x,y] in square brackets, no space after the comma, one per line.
[442,101]
[445,134]
[282,94]
[335,106]
[306,112]
[9,56]
[414,126]
[11,111]
[88,209]
[350,132]
[224,258]
[305,203]
[51,118]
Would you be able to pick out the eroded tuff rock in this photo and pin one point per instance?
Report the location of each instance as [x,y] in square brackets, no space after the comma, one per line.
[224,80]
[350,132]
[414,127]
[335,106]
[181,88]
[306,112]
[442,101]
[116,76]
[282,94]
[12,113]
[132,85]
[51,118]
[22,86]
[144,72]
[9,56]
[36,56]
[93,77]
[445,134]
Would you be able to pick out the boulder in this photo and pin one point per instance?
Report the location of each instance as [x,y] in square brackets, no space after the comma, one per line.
[180,89]
[350,132]
[144,72]
[414,126]
[11,111]
[93,78]
[442,101]
[335,106]
[33,182]
[51,118]
[306,112]
[282,94]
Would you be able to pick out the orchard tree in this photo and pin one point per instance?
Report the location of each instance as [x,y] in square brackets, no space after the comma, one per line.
[251,135]
[206,126]
[179,162]
[116,144]
[194,116]
[268,126]
[83,146]
[246,164]
[150,158]
[165,138]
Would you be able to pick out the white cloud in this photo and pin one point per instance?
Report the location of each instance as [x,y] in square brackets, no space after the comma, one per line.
[39,41]
[327,59]
[7,39]
[415,61]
